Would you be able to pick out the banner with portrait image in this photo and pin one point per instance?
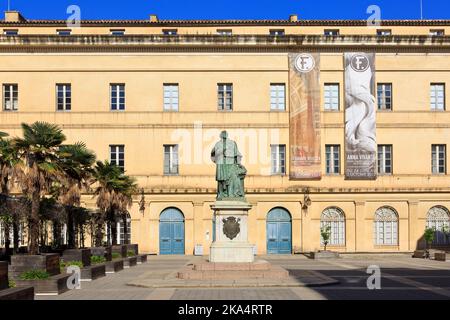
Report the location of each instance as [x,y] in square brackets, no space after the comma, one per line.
[304,126]
[360,116]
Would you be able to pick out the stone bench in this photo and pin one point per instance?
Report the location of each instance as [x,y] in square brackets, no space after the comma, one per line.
[20,293]
[130,262]
[440,256]
[114,266]
[22,263]
[83,255]
[102,252]
[54,285]
[4,283]
[93,272]
[419,254]
[142,258]
[318,255]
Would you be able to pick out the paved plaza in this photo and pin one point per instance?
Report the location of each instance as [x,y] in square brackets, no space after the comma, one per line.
[402,277]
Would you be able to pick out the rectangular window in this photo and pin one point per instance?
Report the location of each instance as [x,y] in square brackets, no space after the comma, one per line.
[117,155]
[225,96]
[66,32]
[385,159]
[63,97]
[437,32]
[171,159]
[384,32]
[276,32]
[332,158]
[117,96]
[437,96]
[117,32]
[331,32]
[331,97]
[170,32]
[171,97]
[278,159]
[10,97]
[224,32]
[384,94]
[277,96]
[10,32]
[438,159]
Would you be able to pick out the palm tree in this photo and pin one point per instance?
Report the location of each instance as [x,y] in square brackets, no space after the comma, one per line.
[114,193]
[76,161]
[9,169]
[128,187]
[39,149]
[107,178]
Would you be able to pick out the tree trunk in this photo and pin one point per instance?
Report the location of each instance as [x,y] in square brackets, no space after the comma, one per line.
[15,226]
[81,244]
[56,234]
[33,223]
[70,229]
[113,232]
[7,238]
[100,224]
[125,228]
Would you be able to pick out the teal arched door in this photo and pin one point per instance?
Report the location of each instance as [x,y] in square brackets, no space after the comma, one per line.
[279,232]
[171,232]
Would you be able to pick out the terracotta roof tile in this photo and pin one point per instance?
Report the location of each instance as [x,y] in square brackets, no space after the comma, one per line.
[235,22]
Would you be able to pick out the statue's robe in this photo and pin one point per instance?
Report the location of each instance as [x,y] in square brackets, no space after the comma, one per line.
[225,160]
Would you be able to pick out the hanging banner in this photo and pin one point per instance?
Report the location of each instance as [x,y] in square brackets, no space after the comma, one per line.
[304,126]
[360,116]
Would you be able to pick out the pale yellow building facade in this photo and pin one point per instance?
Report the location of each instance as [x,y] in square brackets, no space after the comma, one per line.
[414,60]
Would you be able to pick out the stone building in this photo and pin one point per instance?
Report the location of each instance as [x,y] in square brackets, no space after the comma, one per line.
[153,95]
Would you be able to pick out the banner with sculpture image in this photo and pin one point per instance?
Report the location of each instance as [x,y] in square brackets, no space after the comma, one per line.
[304,116]
[360,116]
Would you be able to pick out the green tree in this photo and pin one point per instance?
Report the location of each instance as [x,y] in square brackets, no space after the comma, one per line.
[429,235]
[39,149]
[9,171]
[325,232]
[76,162]
[114,193]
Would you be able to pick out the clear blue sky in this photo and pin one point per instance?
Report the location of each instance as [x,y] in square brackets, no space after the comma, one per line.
[230,9]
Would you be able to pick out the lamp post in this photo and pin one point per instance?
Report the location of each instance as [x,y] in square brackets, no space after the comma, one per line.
[142,203]
[306,199]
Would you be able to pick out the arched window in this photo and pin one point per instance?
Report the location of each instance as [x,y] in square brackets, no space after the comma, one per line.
[335,218]
[386,226]
[121,237]
[439,219]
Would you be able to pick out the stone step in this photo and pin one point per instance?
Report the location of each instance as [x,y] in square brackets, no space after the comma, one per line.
[259,265]
[275,272]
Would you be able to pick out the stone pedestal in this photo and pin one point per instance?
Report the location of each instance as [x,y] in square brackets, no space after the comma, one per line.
[231,243]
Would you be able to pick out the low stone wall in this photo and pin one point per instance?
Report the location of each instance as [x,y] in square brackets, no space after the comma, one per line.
[3,275]
[21,263]
[13,294]
[142,258]
[120,249]
[130,262]
[102,252]
[83,255]
[93,272]
[114,265]
[133,247]
[317,255]
[54,285]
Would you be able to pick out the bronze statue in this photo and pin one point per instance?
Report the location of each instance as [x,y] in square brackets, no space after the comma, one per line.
[230,173]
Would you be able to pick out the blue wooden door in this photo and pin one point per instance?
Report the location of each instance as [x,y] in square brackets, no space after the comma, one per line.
[279,232]
[171,232]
